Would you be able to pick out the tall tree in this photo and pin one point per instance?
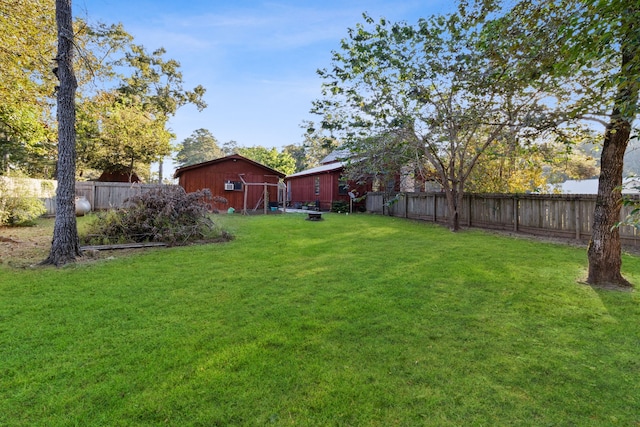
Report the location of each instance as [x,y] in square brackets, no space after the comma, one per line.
[149,90]
[299,155]
[230,147]
[597,52]
[517,168]
[200,147]
[120,132]
[65,246]
[316,144]
[605,252]
[432,91]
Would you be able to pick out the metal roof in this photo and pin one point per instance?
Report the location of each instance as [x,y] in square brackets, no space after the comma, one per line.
[320,169]
[336,155]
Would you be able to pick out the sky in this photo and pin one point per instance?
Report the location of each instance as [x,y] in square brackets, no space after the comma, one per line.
[257,59]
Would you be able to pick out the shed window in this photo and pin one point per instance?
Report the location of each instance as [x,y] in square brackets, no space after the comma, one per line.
[343,187]
[317,186]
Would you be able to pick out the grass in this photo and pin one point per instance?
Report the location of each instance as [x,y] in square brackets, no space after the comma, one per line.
[355,320]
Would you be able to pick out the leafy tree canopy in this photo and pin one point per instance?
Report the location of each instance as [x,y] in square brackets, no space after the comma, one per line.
[430,95]
[27,86]
[282,162]
[200,147]
[595,49]
[128,125]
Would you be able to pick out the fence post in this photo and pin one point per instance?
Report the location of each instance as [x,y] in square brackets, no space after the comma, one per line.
[406,205]
[576,204]
[435,206]
[515,213]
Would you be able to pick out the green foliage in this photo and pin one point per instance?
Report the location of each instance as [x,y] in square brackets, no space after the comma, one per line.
[339,206]
[632,204]
[200,147]
[578,58]
[115,130]
[427,95]
[166,214]
[157,81]
[586,55]
[355,320]
[282,162]
[513,168]
[27,31]
[19,206]
[145,90]
[126,122]
[316,144]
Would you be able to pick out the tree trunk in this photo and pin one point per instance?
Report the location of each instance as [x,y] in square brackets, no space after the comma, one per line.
[65,246]
[605,252]
[454,197]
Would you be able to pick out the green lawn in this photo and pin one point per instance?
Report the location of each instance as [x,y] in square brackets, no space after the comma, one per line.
[356,320]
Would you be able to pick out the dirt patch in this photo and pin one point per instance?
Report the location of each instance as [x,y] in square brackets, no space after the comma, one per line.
[26,247]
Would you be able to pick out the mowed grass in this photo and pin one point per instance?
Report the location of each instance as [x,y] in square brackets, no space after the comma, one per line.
[355,320]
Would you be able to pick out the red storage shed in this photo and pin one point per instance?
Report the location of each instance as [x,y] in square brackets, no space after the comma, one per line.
[321,186]
[246,184]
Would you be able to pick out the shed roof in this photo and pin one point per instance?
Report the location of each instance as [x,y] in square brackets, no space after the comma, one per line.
[181,170]
[319,169]
[336,155]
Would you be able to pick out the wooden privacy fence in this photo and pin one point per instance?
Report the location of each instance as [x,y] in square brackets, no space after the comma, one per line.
[103,195]
[563,216]
[110,195]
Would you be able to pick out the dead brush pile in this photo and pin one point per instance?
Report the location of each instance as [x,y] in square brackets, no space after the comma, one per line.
[166,214]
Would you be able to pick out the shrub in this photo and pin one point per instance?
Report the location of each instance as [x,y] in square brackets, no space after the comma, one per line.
[167,214]
[19,210]
[339,206]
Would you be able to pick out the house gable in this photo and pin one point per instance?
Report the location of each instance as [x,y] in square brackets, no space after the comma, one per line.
[233,158]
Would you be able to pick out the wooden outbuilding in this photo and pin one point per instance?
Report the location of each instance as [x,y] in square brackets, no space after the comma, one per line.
[247,185]
[323,185]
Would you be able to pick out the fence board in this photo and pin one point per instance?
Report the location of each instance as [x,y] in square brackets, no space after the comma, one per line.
[110,195]
[551,215]
[101,195]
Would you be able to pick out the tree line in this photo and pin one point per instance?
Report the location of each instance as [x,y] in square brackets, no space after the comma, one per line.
[126,94]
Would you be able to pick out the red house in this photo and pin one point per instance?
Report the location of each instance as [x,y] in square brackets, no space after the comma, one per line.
[246,184]
[322,185]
